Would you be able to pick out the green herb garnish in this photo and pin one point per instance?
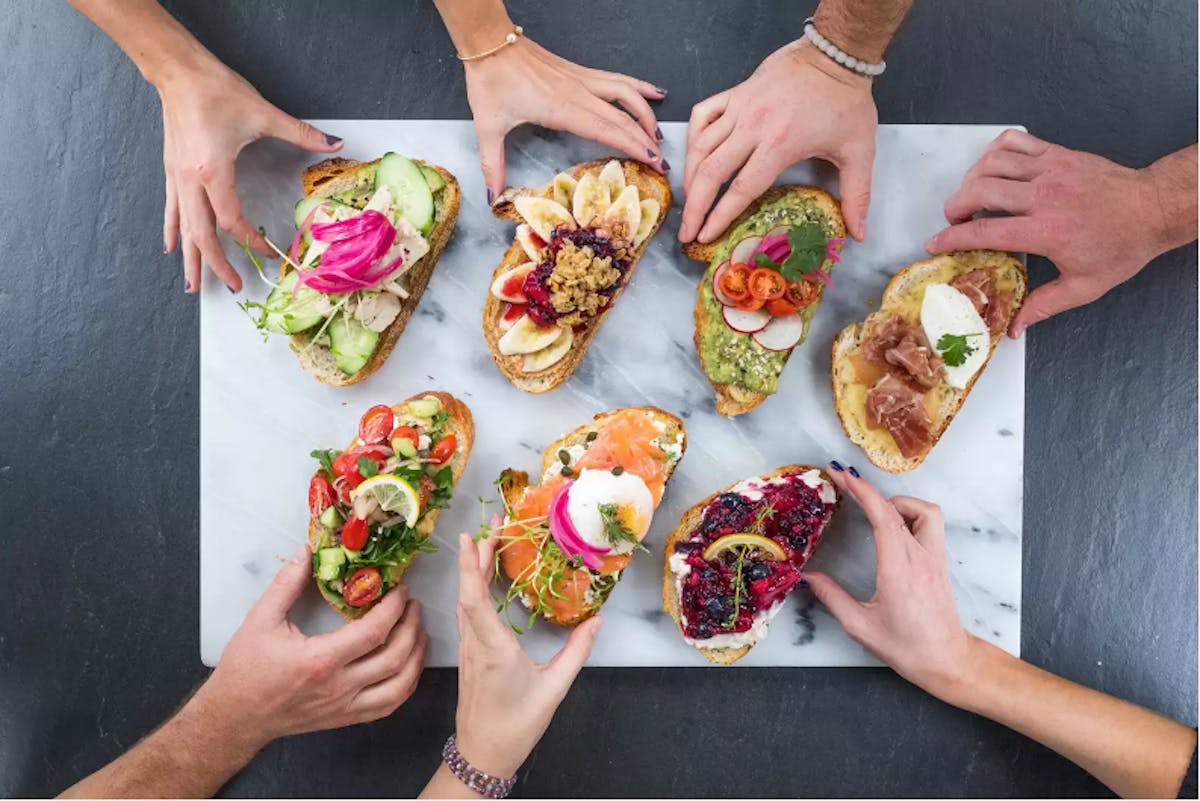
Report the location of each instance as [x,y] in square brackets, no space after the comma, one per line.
[614,530]
[326,457]
[367,467]
[808,244]
[955,348]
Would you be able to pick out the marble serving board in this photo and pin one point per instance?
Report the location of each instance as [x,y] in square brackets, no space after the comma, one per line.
[261,414]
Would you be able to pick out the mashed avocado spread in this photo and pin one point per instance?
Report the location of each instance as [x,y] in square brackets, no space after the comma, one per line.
[727,356]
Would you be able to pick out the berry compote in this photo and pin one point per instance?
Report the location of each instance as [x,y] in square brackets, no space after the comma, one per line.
[536,287]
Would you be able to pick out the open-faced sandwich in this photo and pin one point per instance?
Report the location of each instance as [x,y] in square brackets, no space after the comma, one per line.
[900,376]
[578,241]
[367,238]
[765,278]
[373,505]
[566,540]
[736,555]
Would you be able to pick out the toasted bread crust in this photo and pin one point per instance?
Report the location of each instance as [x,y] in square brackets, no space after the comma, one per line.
[850,338]
[325,179]
[650,184]
[462,425]
[687,524]
[733,400]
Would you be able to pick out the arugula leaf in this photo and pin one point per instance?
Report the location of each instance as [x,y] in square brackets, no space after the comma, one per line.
[955,349]
[614,530]
[439,425]
[326,457]
[808,245]
[367,467]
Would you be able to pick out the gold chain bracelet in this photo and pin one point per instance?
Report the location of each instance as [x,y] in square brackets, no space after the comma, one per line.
[517,32]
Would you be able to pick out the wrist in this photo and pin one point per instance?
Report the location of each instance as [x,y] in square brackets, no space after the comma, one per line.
[473,30]
[1169,204]
[209,717]
[807,54]
[965,685]
[488,754]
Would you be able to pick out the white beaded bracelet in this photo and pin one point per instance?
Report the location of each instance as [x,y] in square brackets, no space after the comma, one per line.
[841,56]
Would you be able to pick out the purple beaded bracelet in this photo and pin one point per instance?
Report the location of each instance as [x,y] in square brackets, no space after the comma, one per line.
[483,783]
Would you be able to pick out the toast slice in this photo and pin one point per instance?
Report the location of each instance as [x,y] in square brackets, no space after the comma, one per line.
[687,526]
[650,185]
[733,399]
[462,426]
[903,297]
[513,484]
[332,177]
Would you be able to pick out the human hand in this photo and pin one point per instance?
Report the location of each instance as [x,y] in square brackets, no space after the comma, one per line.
[797,105]
[911,622]
[505,699]
[525,83]
[273,680]
[1097,221]
[209,114]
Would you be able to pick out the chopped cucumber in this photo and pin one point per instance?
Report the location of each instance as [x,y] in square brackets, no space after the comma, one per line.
[410,191]
[291,314]
[425,407]
[334,556]
[351,343]
[404,447]
[351,556]
[305,207]
[433,178]
[331,518]
[329,572]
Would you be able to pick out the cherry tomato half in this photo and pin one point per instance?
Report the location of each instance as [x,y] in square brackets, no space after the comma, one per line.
[766,284]
[426,490]
[354,533]
[376,424]
[405,432]
[749,303]
[321,495]
[802,293]
[346,464]
[342,487]
[735,283]
[363,586]
[443,451]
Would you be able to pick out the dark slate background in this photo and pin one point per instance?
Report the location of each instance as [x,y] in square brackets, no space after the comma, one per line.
[98,406]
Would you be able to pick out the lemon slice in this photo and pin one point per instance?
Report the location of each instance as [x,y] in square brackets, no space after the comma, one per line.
[393,494]
[755,542]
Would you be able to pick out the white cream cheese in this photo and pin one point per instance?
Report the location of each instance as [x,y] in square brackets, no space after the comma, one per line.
[737,639]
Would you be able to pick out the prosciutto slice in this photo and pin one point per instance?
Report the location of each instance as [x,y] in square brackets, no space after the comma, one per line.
[979,285]
[894,405]
[899,347]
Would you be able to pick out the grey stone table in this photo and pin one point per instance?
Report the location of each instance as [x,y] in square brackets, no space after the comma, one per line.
[98,406]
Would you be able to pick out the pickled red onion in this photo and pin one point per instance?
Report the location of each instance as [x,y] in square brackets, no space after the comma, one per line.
[564,533]
[354,258]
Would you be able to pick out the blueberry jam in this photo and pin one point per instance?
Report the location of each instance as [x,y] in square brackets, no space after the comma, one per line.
[789,512]
[536,287]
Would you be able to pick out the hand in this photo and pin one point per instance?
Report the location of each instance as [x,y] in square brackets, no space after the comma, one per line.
[525,83]
[505,699]
[273,680]
[1096,220]
[797,105]
[911,623]
[209,114]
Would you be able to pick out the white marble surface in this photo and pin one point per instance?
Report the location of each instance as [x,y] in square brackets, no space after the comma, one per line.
[261,414]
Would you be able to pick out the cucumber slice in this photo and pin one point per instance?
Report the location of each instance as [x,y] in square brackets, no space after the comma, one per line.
[331,519]
[288,314]
[409,189]
[305,207]
[329,572]
[351,343]
[433,178]
[425,407]
[331,556]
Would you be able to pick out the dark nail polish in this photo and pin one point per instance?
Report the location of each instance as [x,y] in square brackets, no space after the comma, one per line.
[854,473]
[658,133]
[332,140]
[187,286]
[836,465]
[232,291]
[661,91]
[666,166]
[491,196]
[651,153]
[804,584]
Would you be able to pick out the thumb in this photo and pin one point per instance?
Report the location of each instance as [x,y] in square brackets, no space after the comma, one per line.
[491,162]
[281,596]
[302,134]
[841,604]
[855,184]
[1046,301]
[567,663]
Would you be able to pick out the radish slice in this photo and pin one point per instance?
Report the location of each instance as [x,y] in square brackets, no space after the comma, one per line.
[745,322]
[744,250]
[782,333]
[722,298]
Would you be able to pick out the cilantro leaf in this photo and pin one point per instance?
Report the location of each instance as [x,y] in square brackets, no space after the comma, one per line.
[614,530]
[326,457]
[955,349]
[763,260]
[808,251]
[367,467]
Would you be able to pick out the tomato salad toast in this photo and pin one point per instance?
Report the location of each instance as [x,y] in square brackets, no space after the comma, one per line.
[766,276]
[901,375]
[368,236]
[736,555]
[373,505]
[566,540]
[578,241]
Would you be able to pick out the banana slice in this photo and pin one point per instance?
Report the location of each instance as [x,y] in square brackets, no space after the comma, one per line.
[564,189]
[624,214]
[613,174]
[543,215]
[650,210]
[526,336]
[551,354]
[530,242]
[591,199]
[510,284]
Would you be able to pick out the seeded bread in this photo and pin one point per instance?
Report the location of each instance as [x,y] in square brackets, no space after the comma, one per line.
[689,523]
[462,426]
[650,184]
[732,399]
[336,175]
[898,298]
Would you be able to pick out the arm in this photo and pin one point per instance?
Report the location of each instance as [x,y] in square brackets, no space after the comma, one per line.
[912,625]
[1099,222]
[525,83]
[209,114]
[751,133]
[273,681]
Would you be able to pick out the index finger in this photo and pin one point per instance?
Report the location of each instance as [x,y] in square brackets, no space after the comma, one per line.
[924,520]
[360,637]
[887,526]
[1019,234]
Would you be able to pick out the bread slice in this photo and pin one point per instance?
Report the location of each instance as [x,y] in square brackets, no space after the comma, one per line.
[732,399]
[462,426]
[650,184]
[687,524]
[903,296]
[332,177]
[513,482]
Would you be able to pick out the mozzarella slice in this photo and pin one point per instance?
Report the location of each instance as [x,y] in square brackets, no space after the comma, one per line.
[947,312]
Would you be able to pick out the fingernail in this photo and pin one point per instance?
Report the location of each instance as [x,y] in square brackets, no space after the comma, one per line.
[658,133]
[187,287]
[666,167]
[463,539]
[929,243]
[804,584]
[232,291]
[836,465]
[300,555]
[491,196]
[854,473]
[332,140]
[650,152]
[661,91]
